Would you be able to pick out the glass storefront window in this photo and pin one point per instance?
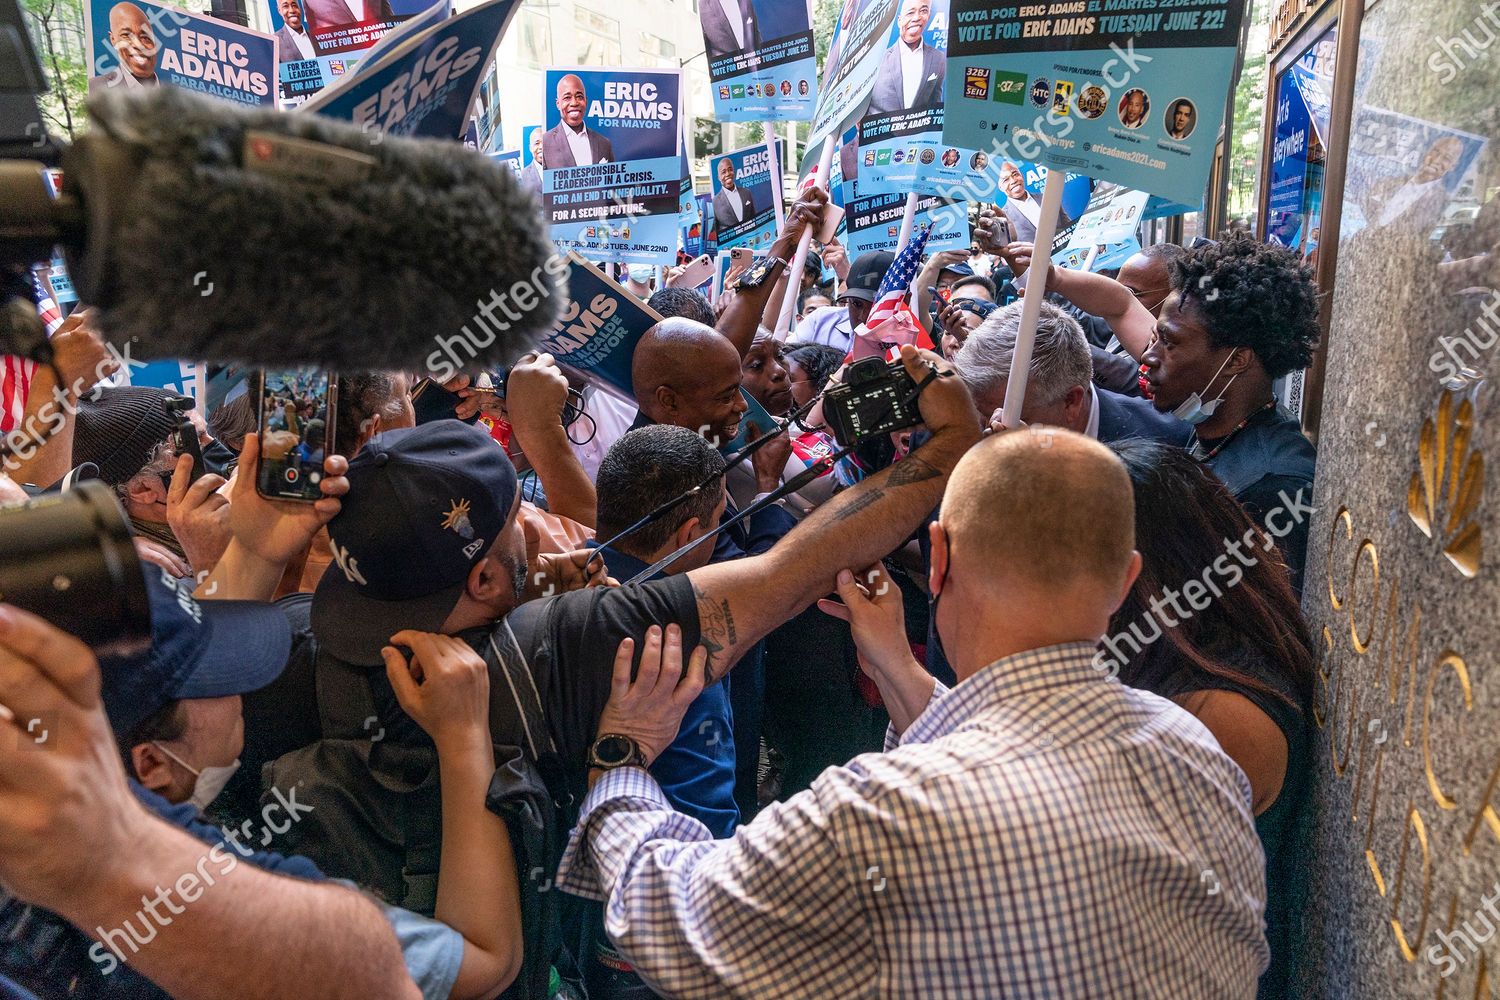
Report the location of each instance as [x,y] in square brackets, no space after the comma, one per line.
[536,38]
[598,38]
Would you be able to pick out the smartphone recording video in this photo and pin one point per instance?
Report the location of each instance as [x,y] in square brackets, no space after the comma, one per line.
[296,419]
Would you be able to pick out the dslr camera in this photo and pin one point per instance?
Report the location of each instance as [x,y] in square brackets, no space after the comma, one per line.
[875,397]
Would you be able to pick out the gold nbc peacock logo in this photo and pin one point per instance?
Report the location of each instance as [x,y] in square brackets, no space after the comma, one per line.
[1449,479]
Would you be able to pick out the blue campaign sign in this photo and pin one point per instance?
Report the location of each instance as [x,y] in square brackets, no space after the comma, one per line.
[1160,208]
[600,326]
[755,421]
[184,377]
[425,83]
[531,144]
[1129,91]
[1113,215]
[687,200]
[317,52]
[855,53]
[875,223]
[746,196]
[611,183]
[761,64]
[510,158]
[903,124]
[135,43]
[1404,171]
[1110,255]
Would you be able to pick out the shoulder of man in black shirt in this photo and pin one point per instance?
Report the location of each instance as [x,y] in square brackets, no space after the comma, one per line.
[569,644]
[581,629]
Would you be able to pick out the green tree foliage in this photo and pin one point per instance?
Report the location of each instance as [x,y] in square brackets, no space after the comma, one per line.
[1249,114]
[57,30]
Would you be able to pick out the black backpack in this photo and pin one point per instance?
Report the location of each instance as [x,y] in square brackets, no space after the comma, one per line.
[372,782]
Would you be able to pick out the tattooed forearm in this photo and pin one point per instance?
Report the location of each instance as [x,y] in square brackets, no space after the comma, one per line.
[716,631]
[911,469]
[907,472]
[857,502]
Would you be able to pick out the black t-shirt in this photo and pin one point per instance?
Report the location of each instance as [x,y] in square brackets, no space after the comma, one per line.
[566,646]
[569,645]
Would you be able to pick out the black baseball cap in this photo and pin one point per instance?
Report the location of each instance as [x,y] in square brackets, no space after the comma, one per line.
[199,649]
[424,506]
[865,275]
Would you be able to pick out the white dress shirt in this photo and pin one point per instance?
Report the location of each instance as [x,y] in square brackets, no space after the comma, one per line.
[736,20]
[1092,430]
[911,71]
[736,204]
[304,44]
[578,142]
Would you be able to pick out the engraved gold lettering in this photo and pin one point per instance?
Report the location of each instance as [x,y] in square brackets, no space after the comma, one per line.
[1447,658]
[1362,646]
[1410,946]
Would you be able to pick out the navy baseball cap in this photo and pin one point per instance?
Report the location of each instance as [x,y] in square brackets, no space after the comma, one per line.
[425,504]
[199,649]
[962,270]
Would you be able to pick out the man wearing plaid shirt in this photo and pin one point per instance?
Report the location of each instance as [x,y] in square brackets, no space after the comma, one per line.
[1038,831]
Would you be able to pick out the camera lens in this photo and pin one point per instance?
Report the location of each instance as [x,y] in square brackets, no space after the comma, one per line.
[69,558]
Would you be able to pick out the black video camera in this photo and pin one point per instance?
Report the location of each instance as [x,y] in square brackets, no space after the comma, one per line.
[875,397]
[69,558]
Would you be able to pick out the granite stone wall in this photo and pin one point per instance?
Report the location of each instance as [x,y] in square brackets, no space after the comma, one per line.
[1402,592]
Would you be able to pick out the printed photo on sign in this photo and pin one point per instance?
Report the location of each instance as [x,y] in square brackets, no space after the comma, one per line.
[1129,92]
[761,63]
[423,80]
[747,196]
[135,43]
[1404,172]
[319,41]
[611,170]
[903,123]
[858,47]
[532,159]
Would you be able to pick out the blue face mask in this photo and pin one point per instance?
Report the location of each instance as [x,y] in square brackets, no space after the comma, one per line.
[1194,410]
[641,273]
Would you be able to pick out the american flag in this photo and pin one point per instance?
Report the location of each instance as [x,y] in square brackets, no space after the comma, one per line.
[15,373]
[891,298]
[892,322]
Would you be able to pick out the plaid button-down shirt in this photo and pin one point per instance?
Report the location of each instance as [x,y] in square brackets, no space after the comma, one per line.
[1039,831]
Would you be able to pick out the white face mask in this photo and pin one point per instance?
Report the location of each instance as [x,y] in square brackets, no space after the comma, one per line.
[1194,410]
[208,782]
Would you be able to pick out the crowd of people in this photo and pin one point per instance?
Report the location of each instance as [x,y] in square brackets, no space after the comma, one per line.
[976,709]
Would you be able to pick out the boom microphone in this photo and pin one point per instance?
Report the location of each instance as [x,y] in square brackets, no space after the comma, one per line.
[203,230]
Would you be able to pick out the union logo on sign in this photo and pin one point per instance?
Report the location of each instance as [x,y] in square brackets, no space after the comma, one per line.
[977,82]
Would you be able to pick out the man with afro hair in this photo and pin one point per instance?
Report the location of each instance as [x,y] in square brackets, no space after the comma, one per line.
[1240,315]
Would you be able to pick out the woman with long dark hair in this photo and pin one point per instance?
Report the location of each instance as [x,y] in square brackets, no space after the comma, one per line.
[1213,624]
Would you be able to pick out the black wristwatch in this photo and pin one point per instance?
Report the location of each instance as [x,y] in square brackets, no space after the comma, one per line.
[760,272]
[613,750]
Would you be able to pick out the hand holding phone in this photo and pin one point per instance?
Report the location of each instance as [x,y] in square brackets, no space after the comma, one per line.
[695,273]
[297,410]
